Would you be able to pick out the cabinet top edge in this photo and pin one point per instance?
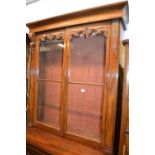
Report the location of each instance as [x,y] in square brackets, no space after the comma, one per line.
[108,10]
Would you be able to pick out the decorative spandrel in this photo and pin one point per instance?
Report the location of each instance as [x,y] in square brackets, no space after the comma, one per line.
[87,32]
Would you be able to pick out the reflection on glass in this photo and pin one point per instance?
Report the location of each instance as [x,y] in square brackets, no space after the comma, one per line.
[49,82]
[84,111]
[86,81]
[49,102]
[87,59]
[50,60]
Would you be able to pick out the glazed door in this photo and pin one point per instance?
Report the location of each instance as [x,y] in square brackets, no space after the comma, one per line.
[85,84]
[71,80]
[50,80]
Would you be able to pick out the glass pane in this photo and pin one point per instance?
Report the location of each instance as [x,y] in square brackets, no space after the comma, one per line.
[50,60]
[49,102]
[84,106]
[87,58]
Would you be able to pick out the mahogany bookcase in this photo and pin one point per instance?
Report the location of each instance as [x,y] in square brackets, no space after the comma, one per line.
[73,77]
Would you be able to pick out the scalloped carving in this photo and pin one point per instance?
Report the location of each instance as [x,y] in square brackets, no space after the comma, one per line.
[88,32]
[51,37]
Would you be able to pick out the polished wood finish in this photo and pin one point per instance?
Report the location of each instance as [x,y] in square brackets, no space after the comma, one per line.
[32,80]
[112,82]
[105,21]
[107,12]
[124,133]
[55,145]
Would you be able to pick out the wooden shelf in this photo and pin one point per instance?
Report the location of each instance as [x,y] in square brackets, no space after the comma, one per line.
[74,111]
[86,83]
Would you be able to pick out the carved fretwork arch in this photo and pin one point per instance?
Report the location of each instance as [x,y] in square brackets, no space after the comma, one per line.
[87,32]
